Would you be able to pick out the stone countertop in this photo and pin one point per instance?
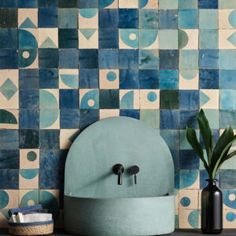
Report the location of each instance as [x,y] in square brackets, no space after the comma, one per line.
[177,233]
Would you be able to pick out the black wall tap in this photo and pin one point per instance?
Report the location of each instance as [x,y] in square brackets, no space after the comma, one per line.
[118,169]
[133,170]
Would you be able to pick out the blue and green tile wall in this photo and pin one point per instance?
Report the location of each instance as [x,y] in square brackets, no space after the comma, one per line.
[65,64]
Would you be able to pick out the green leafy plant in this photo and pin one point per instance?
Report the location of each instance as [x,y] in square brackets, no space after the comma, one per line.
[215,154]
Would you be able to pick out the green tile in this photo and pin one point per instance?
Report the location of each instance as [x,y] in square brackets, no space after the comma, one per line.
[169,99]
[150,117]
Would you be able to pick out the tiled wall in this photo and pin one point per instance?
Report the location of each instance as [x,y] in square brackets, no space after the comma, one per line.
[65,64]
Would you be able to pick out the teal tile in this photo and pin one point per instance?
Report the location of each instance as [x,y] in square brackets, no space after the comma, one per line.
[227,99]
[227,4]
[148,59]
[188,4]
[227,59]
[188,19]
[148,19]
[213,117]
[168,4]
[68,18]
[168,39]
[209,39]
[208,19]
[189,59]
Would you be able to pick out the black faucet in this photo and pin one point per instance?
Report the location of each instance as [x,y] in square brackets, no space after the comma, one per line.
[118,169]
[133,170]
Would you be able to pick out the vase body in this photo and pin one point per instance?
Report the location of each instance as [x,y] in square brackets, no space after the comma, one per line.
[211,209]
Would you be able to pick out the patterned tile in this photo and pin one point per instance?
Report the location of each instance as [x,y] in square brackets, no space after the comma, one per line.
[66,64]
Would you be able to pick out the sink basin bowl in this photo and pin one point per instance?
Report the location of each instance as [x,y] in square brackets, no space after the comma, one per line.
[94,204]
[120,216]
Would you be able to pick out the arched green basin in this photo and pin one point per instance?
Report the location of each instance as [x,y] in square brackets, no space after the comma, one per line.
[93,202]
[120,216]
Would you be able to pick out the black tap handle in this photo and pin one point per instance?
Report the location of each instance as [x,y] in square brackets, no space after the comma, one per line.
[118,169]
[133,170]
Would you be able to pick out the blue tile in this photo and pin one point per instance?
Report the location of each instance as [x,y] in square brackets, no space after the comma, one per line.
[29,119]
[27,3]
[9,159]
[8,38]
[69,98]
[88,4]
[168,19]
[49,139]
[51,178]
[48,78]
[203,177]
[108,59]
[29,79]
[208,4]
[8,4]
[47,17]
[169,79]
[148,59]
[68,38]
[87,117]
[29,138]
[69,118]
[88,58]
[188,19]
[65,58]
[188,159]
[189,99]
[171,138]
[88,78]
[48,58]
[209,59]
[227,179]
[108,18]
[128,59]
[128,18]
[52,164]
[169,119]
[188,118]
[129,79]
[209,79]
[108,38]
[226,80]
[8,59]
[169,59]
[109,99]
[9,179]
[9,139]
[46,3]
[130,113]
[29,99]
[148,79]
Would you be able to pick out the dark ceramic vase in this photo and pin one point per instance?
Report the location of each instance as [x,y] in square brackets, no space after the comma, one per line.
[211,209]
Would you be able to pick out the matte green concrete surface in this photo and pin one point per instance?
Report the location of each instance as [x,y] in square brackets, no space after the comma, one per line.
[95,204]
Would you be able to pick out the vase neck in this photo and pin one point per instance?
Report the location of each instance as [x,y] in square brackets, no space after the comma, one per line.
[211,181]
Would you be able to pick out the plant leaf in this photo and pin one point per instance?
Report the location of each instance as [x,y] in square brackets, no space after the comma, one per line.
[226,138]
[193,141]
[206,133]
[223,157]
